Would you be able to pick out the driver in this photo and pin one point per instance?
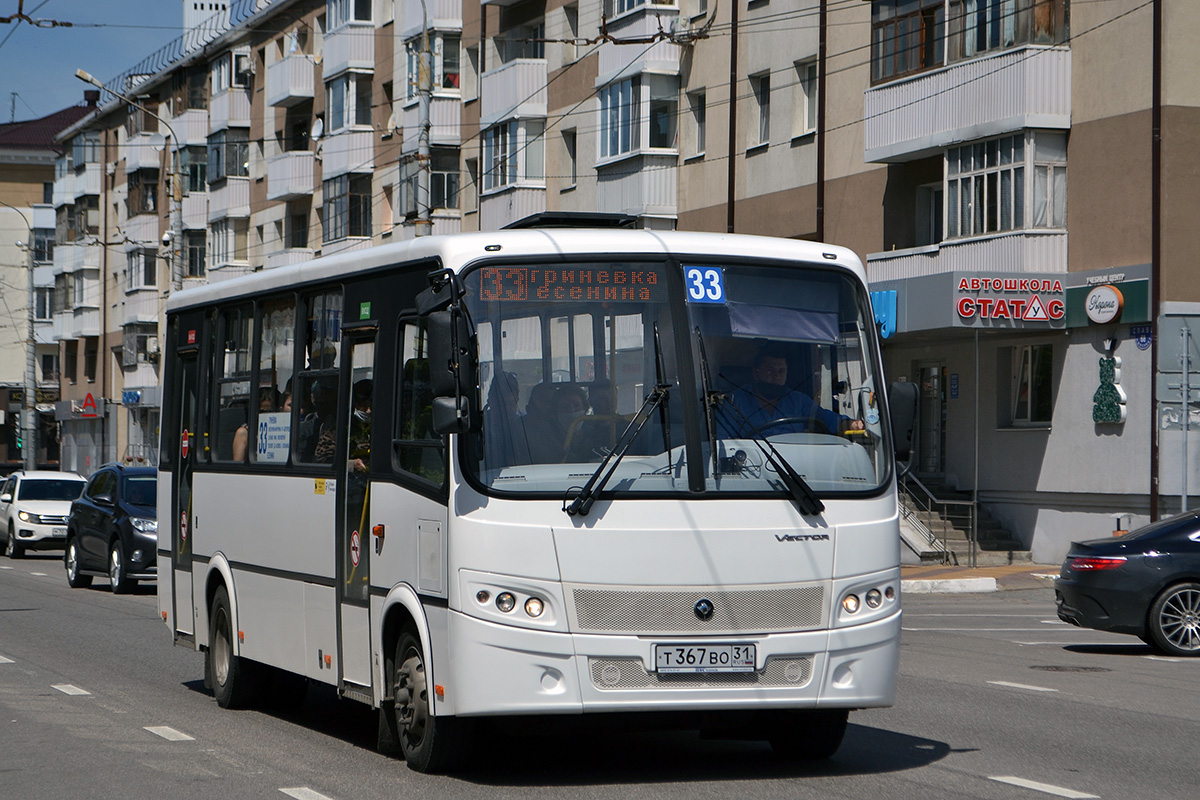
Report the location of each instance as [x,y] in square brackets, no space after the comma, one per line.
[769,398]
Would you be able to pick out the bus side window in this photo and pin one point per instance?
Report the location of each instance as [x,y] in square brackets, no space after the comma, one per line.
[233,384]
[316,391]
[418,450]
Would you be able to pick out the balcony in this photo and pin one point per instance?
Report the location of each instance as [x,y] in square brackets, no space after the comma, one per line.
[516,89]
[410,20]
[191,127]
[229,198]
[500,208]
[143,229]
[348,151]
[43,216]
[43,277]
[140,153]
[643,185]
[87,180]
[1017,252]
[141,306]
[351,46]
[1027,87]
[290,175]
[43,333]
[445,121]
[64,190]
[292,255]
[290,81]
[229,109]
[74,257]
[662,56]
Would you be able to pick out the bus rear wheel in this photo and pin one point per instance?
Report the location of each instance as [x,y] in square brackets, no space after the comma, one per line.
[808,735]
[232,681]
[428,742]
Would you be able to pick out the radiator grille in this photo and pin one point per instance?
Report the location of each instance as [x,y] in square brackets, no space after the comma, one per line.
[672,611]
[630,673]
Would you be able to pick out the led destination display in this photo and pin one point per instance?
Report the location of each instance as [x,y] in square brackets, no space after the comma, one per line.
[619,282]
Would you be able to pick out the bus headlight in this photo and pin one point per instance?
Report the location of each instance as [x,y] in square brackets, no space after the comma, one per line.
[874,598]
[534,607]
[506,602]
[850,603]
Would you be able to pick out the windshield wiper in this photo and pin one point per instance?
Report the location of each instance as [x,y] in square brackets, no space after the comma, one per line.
[802,493]
[582,502]
[711,399]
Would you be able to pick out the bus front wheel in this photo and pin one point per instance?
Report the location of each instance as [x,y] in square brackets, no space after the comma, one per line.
[808,735]
[230,674]
[427,742]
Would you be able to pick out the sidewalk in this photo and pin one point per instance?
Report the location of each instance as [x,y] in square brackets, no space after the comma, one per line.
[938,578]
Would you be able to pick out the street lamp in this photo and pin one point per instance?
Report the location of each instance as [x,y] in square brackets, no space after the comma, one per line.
[176,180]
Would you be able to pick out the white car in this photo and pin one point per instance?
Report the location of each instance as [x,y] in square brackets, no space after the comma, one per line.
[34,507]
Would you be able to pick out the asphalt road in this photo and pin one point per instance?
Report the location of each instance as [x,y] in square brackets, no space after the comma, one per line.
[997,699]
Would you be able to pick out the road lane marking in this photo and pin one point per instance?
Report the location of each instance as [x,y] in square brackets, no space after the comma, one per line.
[5,567]
[1164,658]
[67,688]
[170,734]
[1048,788]
[4,660]
[304,793]
[38,574]
[1024,686]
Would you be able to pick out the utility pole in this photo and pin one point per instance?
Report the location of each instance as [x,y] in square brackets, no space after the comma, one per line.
[29,407]
[425,91]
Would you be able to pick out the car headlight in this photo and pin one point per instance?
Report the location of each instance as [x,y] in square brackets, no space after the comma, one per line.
[25,516]
[143,525]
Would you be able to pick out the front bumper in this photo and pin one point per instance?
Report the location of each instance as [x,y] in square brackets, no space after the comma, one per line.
[141,556]
[37,536]
[500,669]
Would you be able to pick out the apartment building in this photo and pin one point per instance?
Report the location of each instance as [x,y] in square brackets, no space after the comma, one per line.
[993,161]
[27,236]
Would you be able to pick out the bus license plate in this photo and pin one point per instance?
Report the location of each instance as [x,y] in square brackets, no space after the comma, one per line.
[704,657]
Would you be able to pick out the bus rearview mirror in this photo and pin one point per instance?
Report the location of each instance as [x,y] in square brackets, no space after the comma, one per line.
[451,354]
[902,408]
[451,415]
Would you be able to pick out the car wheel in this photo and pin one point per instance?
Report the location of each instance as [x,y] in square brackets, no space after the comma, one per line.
[808,735]
[231,675]
[1174,622]
[12,549]
[71,561]
[429,743]
[118,578]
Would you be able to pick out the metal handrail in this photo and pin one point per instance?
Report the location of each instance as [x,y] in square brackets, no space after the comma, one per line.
[929,503]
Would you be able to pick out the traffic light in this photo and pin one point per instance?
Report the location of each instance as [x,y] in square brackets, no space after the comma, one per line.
[20,442]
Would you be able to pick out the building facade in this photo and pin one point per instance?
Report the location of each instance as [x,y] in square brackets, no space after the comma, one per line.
[1015,174]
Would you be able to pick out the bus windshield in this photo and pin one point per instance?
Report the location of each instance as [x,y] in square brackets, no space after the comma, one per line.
[780,376]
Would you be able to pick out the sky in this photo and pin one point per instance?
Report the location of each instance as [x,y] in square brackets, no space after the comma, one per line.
[107,37]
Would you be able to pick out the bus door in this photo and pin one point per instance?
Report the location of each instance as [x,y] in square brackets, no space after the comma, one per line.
[185,444]
[354,517]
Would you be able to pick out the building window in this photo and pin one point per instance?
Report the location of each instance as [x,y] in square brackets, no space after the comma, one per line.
[1032,382]
[514,152]
[985,187]
[43,245]
[141,118]
[43,304]
[443,181]
[85,149]
[230,241]
[569,139]
[761,84]
[348,101]
[141,269]
[193,166]
[339,12]
[189,90]
[522,41]
[929,214]
[297,228]
[231,71]
[804,107]
[1049,180]
[49,368]
[614,8]
[698,102]
[906,36]
[194,249]
[980,26]
[470,78]
[445,61]
[228,154]
[135,344]
[71,360]
[91,353]
[619,124]
[84,217]
[571,46]
[664,107]
[347,207]
[78,285]
[143,192]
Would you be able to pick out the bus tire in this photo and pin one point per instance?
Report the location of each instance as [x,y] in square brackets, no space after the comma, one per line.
[429,743]
[232,682]
[813,735]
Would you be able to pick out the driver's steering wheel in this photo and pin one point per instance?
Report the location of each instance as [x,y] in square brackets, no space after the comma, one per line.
[811,425]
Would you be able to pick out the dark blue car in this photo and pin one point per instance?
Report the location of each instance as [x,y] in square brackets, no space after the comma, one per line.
[113,528]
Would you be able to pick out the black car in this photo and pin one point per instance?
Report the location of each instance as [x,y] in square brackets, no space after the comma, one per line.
[1145,583]
[113,528]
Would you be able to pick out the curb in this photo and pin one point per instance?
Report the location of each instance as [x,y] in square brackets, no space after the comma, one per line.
[948,586]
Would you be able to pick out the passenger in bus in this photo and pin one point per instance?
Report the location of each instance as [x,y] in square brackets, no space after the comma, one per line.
[505,441]
[241,437]
[360,426]
[548,417]
[319,428]
[770,398]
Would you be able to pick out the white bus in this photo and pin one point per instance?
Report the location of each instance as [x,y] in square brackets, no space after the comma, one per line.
[538,472]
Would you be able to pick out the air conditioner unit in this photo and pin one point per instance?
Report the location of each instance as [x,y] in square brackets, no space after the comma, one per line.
[151,344]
